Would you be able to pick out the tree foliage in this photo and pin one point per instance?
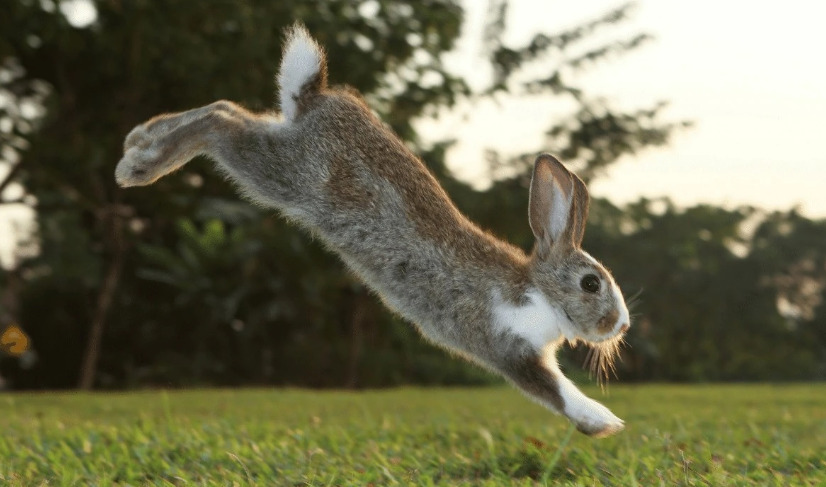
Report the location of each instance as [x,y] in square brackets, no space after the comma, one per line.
[596,134]
[181,283]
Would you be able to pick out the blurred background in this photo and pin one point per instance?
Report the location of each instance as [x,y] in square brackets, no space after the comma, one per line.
[697,126]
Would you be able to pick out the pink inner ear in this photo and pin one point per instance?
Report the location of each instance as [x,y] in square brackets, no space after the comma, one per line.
[560,210]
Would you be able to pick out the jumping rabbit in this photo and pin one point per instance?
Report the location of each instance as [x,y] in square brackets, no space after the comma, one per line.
[330,165]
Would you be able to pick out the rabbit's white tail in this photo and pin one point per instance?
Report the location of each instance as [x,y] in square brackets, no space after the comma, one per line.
[303,71]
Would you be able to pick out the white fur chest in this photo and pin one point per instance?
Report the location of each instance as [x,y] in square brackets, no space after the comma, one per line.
[537,321]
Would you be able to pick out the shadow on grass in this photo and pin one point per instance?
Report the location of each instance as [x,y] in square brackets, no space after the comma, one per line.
[533,460]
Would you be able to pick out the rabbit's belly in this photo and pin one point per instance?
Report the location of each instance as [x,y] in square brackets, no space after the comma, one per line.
[417,289]
[444,302]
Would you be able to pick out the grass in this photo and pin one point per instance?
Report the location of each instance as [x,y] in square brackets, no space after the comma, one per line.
[676,435]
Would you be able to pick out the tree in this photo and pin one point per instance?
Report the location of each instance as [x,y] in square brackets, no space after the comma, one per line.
[183,284]
[138,59]
[596,134]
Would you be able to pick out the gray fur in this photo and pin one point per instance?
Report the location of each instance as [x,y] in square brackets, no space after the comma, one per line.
[336,170]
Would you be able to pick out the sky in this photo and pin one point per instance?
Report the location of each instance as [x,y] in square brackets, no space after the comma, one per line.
[750,75]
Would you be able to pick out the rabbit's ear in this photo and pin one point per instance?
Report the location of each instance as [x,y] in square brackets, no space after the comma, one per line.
[558,206]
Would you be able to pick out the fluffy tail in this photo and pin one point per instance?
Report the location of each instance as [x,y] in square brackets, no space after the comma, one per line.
[303,72]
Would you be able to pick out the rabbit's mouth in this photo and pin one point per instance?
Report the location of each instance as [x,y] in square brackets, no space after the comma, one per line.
[615,332]
[602,350]
[591,339]
[602,356]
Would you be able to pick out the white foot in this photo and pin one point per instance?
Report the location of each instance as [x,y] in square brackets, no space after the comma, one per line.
[589,416]
[594,419]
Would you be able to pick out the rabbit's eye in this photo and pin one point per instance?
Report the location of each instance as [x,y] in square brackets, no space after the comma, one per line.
[590,283]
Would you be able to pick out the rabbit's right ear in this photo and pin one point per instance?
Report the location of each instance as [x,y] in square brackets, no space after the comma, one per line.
[558,206]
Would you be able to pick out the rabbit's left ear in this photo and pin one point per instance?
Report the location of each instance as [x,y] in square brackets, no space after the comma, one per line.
[558,206]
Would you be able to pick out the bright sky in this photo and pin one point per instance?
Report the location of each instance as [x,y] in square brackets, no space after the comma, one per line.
[750,75]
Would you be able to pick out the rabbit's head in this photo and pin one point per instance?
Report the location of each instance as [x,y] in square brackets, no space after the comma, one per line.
[584,291]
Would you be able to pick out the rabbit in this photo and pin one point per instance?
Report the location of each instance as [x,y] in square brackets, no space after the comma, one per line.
[331,166]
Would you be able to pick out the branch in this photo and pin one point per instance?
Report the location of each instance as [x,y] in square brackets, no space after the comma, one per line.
[18,201]
[9,176]
[507,61]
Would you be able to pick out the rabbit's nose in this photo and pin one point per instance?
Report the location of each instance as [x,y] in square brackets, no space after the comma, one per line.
[624,327]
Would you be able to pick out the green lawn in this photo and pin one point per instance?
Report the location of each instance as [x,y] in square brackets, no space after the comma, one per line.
[676,435]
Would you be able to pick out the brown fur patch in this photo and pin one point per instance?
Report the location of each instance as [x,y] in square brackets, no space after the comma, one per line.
[530,374]
[427,204]
[607,322]
[345,187]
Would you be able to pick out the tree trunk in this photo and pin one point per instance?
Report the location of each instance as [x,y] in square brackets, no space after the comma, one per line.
[357,322]
[107,292]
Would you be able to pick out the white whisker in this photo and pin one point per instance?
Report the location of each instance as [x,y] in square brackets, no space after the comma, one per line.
[601,360]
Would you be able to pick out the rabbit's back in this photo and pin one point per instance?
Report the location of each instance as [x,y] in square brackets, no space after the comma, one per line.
[378,206]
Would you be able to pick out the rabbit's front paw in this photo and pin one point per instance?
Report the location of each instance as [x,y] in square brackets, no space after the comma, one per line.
[594,419]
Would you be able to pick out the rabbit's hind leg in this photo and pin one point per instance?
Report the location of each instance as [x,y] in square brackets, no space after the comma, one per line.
[167,142]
